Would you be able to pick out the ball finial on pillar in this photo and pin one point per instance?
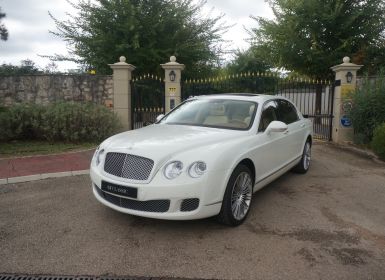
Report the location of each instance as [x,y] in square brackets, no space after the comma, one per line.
[122,59]
[346,59]
[172,58]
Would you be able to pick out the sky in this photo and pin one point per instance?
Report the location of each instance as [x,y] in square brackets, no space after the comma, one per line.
[28,24]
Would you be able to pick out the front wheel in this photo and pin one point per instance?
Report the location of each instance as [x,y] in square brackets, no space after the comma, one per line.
[237,198]
[303,166]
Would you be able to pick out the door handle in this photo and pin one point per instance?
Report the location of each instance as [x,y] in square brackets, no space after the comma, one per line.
[303,125]
[286,132]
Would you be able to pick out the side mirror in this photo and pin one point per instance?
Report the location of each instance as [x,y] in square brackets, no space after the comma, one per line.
[276,126]
[158,118]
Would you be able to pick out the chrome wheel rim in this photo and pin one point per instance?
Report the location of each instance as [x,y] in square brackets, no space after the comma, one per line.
[241,196]
[307,156]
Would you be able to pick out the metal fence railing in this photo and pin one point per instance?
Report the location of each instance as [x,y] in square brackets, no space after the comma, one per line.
[145,116]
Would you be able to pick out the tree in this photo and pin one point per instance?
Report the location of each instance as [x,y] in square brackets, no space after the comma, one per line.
[51,68]
[27,67]
[147,32]
[247,61]
[3,29]
[309,36]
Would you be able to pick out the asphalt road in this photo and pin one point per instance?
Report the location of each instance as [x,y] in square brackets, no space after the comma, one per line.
[327,224]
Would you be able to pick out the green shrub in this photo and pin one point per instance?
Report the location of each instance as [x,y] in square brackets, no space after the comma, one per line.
[65,121]
[79,122]
[378,142]
[3,109]
[20,122]
[369,108]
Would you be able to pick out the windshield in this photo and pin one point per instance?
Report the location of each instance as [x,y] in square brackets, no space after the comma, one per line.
[219,113]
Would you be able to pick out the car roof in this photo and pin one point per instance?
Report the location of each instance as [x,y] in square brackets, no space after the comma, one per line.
[240,96]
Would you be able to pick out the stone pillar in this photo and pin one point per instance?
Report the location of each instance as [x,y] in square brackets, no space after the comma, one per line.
[122,91]
[345,84]
[172,79]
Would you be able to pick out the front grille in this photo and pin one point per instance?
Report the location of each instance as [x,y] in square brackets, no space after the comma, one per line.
[189,204]
[159,205]
[128,166]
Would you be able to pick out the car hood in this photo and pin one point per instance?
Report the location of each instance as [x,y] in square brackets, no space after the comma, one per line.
[162,140]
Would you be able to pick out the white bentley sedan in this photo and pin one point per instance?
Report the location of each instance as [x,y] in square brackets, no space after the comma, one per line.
[205,158]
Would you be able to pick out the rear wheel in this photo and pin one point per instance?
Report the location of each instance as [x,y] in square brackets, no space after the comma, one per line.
[303,166]
[238,195]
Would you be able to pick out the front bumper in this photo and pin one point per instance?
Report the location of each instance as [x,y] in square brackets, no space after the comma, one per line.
[165,199]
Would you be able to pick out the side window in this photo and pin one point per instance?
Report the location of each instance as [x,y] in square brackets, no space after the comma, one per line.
[268,115]
[286,112]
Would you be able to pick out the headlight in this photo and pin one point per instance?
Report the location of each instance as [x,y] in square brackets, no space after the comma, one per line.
[197,169]
[95,153]
[98,154]
[173,169]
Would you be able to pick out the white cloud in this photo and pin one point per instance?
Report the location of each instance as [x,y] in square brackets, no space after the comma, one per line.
[237,15]
[236,9]
[28,24]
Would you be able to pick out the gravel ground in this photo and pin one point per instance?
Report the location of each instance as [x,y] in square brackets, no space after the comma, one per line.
[327,224]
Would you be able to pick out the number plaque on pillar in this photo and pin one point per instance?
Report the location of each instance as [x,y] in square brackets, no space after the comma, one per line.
[172,76]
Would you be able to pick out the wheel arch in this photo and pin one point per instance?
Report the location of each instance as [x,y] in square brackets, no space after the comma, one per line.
[226,214]
[249,163]
[310,139]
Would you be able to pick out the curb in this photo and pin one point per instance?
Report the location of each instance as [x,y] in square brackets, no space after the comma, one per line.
[358,151]
[44,155]
[35,177]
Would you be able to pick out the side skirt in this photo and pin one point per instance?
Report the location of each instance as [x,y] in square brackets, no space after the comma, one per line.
[263,182]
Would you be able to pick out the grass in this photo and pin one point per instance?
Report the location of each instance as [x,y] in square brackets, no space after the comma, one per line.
[28,148]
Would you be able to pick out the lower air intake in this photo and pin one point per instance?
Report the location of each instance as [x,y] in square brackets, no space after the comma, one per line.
[189,204]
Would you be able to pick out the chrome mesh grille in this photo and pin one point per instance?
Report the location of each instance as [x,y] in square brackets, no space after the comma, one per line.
[159,205]
[189,204]
[128,166]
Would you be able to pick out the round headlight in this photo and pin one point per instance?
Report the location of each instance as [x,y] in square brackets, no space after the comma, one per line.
[173,169]
[99,156]
[197,169]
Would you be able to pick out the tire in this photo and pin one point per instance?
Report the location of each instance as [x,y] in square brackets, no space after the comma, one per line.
[237,198]
[303,166]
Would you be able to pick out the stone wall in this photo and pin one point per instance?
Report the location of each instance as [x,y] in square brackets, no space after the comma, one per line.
[45,89]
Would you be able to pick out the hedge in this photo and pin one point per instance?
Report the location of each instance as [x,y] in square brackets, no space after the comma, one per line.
[368,109]
[65,121]
[378,142]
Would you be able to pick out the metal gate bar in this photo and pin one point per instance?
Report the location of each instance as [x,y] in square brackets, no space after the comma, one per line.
[147,100]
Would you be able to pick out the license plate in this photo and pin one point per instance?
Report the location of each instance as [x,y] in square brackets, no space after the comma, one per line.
[120,190]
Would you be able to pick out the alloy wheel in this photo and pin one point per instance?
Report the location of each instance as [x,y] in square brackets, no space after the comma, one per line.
[307,156]
[241,196]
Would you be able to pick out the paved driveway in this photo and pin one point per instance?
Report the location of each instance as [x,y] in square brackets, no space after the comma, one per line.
[327,224]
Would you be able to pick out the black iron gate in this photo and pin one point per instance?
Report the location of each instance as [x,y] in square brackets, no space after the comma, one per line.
[147,100]
[315,101]
[313,98]
[242,83]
